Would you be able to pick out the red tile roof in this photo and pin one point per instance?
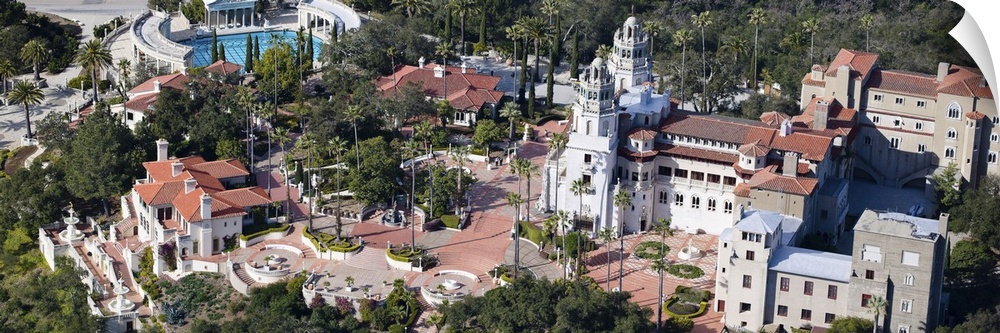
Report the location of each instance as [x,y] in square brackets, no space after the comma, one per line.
[166,187]
[222,169]
[642,134]
[807,80]
[785,184]
[773,118]
[860,63]
[243,197]
[141,103]
[711,156]
[466,91]
[975,115]
[223,67]
[812,145]
[175,80]
[754,149]
[840,120]
[904,83]
[964,81]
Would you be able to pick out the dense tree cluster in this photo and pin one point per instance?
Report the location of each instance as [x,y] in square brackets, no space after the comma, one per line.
[18,28]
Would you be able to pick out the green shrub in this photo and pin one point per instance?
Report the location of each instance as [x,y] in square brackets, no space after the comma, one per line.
[450,221]
[574,241]
[532,233]
[396,328]
[651,250]
[115,100]
[479,48]
[685,271]
[245,237]
[677,308]
[678,325]
[403,254]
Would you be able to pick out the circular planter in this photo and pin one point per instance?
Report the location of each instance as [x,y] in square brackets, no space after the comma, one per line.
[651,250]
[686,271]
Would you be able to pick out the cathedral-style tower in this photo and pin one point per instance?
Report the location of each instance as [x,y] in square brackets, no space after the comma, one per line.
[630,61]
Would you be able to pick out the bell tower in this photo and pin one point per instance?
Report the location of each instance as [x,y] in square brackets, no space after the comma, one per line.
[629,61]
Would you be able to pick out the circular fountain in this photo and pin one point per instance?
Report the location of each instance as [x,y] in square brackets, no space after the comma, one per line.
[120,303]
[451,285]
[689,252]
[71,234]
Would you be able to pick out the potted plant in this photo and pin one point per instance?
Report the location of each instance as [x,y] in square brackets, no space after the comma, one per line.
[349,280]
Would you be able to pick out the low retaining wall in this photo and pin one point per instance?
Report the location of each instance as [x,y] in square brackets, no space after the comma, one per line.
[268,236]
[329,255]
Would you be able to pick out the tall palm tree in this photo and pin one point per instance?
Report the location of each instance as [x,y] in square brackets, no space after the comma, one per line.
[663,228]
[338,146]
[515,34]
[535,30]
[7,71]
[606,235]
[511,112]
[810,27]
[876,305]
[93,56]
[463,8]
[550,8]
[124,67]
[681,38]
[757,17]
[867,23]
[652,29]
[621,199]
[354,114]
[35,53]
[603,51]
[26,94]
[736,46]
[392,52]
[444,50]
[578,188]
[412,149]
[423,131]
[460,156]
[557,144]
[562,220]
[702,20]
[437,320]
[281,134]
[514,199]
[529,169]
[413,7]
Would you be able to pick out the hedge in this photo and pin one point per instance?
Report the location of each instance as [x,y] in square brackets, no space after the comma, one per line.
[693,271]
[702,306]
[532,233]
[330,243]
[642,251]
[401,257]
[280,228]
[450,221]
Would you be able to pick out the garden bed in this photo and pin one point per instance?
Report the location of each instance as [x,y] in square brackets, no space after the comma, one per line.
[686,271]
[651,250]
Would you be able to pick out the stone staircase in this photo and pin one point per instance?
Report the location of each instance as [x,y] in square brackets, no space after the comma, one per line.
[465,262]
[369,258]
[242,275]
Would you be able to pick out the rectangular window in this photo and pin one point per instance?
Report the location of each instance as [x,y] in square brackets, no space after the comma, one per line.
[904,329]
[714,178]
[864,300]
[869,274]
[750,255]
[587,158]
[782,310]
[807,288]
[665,171]
[831,292]
[695,175]
[871,253]
[921,148]
[894,143]
[645,176]
[784,284]
[877,97]
[731,181]
[899,100]
[635,176]
[744,307]
[807,314]
[906,306]
[680,173]
[922,104]
[747,281]
[829,318]
[917,125]
[911,258]
[586,180]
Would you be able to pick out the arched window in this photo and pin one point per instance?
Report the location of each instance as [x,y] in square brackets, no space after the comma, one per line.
[952,134]
[695,201]
[588,127]
[727,207]
[664,197]
[954,110]
[646,120]
[711,204]
[908,280]
[678,199]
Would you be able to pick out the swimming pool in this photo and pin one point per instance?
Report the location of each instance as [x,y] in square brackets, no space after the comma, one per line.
[236,47]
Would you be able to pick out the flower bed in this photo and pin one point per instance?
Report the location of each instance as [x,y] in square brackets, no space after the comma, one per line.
[404,254]
[685,271]
[679,309]
[327,242]
[651,250]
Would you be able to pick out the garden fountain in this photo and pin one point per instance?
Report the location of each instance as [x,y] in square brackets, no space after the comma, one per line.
[71,234]
[120,303]
[689,252]
[451,285]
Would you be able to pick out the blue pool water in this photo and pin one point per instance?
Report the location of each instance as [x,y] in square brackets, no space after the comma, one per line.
[236,47]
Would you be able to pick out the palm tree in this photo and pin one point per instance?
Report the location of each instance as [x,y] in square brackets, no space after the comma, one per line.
[413,7]
[603,51]
[338,146]
[867,23]
[701,21]
[606,235]
[663,228]
[756,17]
[550,8]
[528,170]
[578,188]
[123,73]
[562,218]
[810,27]
[511,112]
[535,30]
[681,38]
[437,320]
[422,131]
[463,8]
[514,199]
[444,50]
[93,56]
[412,149]
[514,33]
[459,155]
[621,199]
[26,94]
[876,305]
[354,114]
[281,134]
[392,52]
[7,71]
[652,29]
[35,53]
[558,143]
[735,45]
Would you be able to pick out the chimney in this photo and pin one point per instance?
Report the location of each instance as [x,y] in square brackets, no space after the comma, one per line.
[786,128]
[844,71]
[465,68]
[817,73]
[206,206]
[791,164]
[821,115]
[439,71]
[156,86]
[161,150]
[177,168]
[942,70]
[421,62]
[184,70]
[189,185]
[943,224]
[645,95]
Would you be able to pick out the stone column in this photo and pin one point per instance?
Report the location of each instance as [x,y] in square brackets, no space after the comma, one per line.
[253,16]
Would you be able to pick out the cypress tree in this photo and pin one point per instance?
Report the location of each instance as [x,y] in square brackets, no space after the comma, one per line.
[222,52]
[256,49]
[524,73]
[482,28]
[310,51]
[215,47]
[447,25]
[574,62]
[556,59]
[248,62]
[549,78]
